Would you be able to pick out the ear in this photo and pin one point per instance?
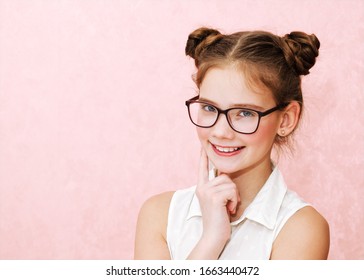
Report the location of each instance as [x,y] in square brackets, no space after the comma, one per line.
[289,119]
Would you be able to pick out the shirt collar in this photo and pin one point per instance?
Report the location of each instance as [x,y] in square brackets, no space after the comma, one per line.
[265,206]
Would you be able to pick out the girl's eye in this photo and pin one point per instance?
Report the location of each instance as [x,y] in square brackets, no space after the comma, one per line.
[209,108]
[247,114]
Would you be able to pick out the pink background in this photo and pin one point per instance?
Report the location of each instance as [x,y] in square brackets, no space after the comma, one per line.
[93,121]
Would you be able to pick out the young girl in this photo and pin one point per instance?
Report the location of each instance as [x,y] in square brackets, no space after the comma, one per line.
[249,100]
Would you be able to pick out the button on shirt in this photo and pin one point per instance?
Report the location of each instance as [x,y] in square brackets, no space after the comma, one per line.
[252,235]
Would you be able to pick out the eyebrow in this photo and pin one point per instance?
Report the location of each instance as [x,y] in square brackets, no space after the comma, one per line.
[237,105]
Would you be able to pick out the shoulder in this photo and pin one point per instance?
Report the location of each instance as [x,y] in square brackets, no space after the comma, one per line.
[158,206]
[304,236]
[150,236]
[163,198]
[155,209]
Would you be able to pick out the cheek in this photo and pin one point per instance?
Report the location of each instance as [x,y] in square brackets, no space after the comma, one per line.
[265,135]
[202,133]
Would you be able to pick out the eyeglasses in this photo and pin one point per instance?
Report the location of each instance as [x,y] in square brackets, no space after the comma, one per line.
[241,120]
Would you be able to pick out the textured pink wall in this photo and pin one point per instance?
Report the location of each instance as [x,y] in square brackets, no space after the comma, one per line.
[93,122]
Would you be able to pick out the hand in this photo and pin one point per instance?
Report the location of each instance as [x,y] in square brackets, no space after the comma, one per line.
[218,200]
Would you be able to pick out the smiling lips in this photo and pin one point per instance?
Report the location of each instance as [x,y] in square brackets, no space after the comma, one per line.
[226,151]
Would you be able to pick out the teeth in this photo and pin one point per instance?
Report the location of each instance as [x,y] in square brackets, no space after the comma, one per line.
[226,150]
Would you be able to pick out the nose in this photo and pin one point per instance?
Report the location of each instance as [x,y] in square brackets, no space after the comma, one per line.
[222,129]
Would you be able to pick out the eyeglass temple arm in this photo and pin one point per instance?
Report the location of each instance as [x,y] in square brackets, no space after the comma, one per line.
[192,99]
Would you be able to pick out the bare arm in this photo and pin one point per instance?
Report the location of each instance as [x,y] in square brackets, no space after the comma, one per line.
[304,236]
[150,238]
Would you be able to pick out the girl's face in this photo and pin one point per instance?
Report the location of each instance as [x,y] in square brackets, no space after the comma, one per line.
[225,88]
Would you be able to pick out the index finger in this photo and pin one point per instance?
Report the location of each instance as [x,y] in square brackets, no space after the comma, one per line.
[203,173]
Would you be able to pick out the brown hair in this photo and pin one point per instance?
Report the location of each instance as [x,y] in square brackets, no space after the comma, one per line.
[267,60]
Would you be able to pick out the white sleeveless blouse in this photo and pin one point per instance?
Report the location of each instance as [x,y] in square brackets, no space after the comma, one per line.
[252,235]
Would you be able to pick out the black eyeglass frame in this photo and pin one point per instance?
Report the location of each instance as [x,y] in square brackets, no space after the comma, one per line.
[225,112]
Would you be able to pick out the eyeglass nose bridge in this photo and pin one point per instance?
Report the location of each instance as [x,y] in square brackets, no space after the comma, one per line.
[226,113]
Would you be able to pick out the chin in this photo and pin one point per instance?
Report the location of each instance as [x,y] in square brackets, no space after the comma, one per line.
[229,171]
[225,168]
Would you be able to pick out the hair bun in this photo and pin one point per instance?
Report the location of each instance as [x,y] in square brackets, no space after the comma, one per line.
[300,51]
[199,40]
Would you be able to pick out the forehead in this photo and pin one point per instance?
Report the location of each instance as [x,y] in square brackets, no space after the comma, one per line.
[226,86]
